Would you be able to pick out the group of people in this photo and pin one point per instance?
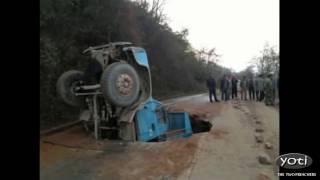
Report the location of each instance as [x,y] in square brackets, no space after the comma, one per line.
[262,87]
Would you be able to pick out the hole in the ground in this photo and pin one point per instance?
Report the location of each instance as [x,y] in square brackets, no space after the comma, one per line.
[199,125]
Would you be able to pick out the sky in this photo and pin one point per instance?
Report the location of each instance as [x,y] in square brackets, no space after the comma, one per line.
[238,29]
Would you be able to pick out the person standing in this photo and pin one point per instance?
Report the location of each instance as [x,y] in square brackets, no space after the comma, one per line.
[238,87]
[223,88]
[229,87]
[256,85]
[259,87]
[262,92]
[243,86]
[274,88]
[268,90]
[211,84]
[251,89]
[234,92]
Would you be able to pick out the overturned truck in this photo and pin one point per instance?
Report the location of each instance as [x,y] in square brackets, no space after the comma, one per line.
[115,95]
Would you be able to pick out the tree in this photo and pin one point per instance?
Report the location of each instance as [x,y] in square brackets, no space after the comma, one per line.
[208,55]
[268,61]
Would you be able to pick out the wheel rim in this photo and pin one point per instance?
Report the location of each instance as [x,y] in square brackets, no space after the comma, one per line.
[124,84]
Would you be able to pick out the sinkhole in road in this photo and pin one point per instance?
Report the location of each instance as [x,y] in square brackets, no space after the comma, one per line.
[199,125]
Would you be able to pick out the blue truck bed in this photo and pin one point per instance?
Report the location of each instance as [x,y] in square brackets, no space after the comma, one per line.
[153,122]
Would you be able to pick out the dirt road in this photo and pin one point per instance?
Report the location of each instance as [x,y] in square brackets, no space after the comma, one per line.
[229,151]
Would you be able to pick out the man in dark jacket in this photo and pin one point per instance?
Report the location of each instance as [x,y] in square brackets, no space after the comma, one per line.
[251,89]
[224,88]
[234,92]
[211,84]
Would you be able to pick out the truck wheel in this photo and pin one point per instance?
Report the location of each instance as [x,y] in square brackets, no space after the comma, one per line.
[65,87]
[120,84]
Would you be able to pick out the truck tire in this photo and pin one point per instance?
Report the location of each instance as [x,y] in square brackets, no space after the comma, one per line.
[65,85]
[120,84]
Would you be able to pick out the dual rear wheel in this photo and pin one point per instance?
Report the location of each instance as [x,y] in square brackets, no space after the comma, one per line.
[120,85]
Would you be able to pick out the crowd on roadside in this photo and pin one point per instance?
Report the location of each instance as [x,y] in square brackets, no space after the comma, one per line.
[263,87]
